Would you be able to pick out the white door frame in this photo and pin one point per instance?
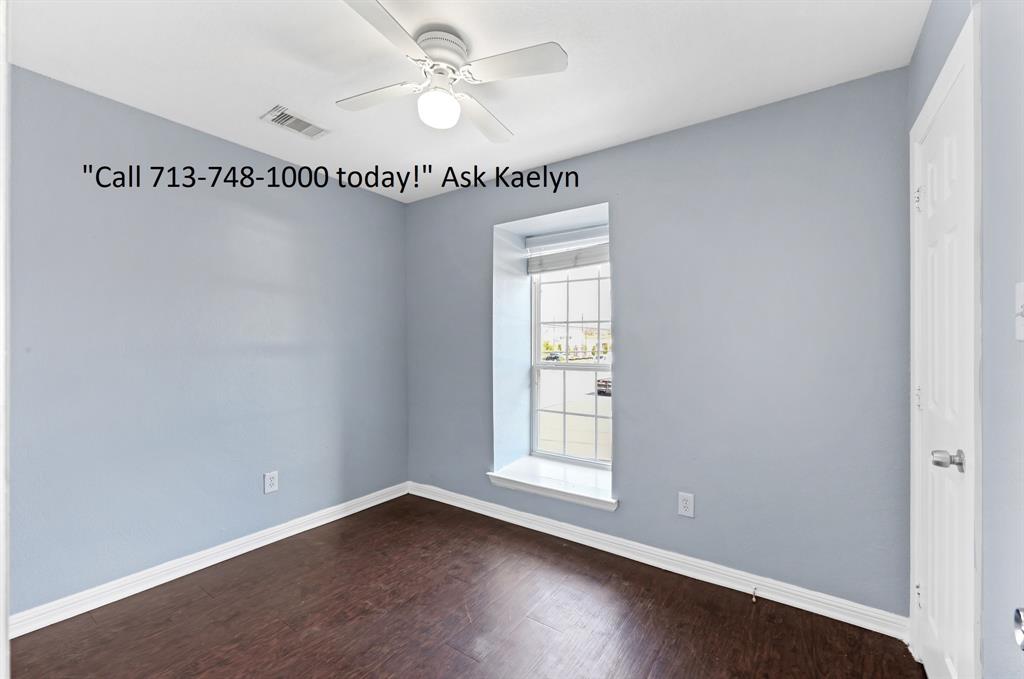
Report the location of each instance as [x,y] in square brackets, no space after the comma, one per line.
[5,164]
[966,48]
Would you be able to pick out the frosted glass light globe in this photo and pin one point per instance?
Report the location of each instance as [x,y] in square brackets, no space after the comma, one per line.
[438,109]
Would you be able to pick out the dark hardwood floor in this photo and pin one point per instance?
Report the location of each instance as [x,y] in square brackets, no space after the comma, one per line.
[415,588]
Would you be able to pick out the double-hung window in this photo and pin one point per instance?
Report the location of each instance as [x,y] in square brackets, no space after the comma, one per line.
[572,356]
[552,356]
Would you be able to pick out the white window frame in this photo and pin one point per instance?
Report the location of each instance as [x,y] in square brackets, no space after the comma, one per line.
[537,364]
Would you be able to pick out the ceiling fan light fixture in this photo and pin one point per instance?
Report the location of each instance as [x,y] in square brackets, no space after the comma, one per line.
[443,58]
[438,108]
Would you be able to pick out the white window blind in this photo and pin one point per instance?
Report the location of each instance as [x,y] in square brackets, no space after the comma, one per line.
[568,250]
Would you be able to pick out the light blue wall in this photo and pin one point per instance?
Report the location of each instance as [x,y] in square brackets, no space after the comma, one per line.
[1002,228]
[941,28]
[762,339]
[170,346]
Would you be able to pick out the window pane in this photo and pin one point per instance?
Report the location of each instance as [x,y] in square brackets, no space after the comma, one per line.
[582,300]
[579,392]
[606,345]
[552,343]
[606,300]
[573,407]
[604,394]
[583,342]
[579,432]
[575,349]
[584,272]
[552,302]
[604,440]
[549,390]
[549,432]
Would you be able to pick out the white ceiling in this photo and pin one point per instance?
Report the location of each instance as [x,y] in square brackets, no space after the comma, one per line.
[635,68]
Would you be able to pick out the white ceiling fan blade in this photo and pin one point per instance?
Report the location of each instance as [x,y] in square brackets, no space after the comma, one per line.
[548,57]
[377,96]
[378,17]
[484,120]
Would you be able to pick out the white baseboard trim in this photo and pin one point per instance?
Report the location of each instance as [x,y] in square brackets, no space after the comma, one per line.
[75,604]
[830,606]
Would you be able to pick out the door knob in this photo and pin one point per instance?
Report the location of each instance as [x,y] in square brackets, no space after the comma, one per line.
[942,458]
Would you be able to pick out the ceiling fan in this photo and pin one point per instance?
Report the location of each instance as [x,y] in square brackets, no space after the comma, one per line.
[444,59]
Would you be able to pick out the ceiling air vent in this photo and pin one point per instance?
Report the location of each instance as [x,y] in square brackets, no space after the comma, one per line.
[280,116]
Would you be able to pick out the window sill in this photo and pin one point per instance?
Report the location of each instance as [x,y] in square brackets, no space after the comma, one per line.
[583,485]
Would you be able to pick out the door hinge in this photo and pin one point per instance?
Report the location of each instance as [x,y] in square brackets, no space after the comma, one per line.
[917,594]
[917,397]
[917,198]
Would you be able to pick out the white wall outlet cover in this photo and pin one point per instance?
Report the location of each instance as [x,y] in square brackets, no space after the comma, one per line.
[1018,309]
[686,504]
[269,482]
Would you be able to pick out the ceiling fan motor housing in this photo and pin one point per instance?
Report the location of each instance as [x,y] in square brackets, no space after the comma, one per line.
[444,47]
[443,57]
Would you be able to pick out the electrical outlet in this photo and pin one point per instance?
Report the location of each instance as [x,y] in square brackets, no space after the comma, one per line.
[269,482]
[686,504]
[1018,311]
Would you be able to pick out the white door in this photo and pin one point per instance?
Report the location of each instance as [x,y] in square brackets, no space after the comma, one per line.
[945,367]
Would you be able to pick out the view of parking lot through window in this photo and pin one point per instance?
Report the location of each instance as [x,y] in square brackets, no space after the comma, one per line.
[573,352]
